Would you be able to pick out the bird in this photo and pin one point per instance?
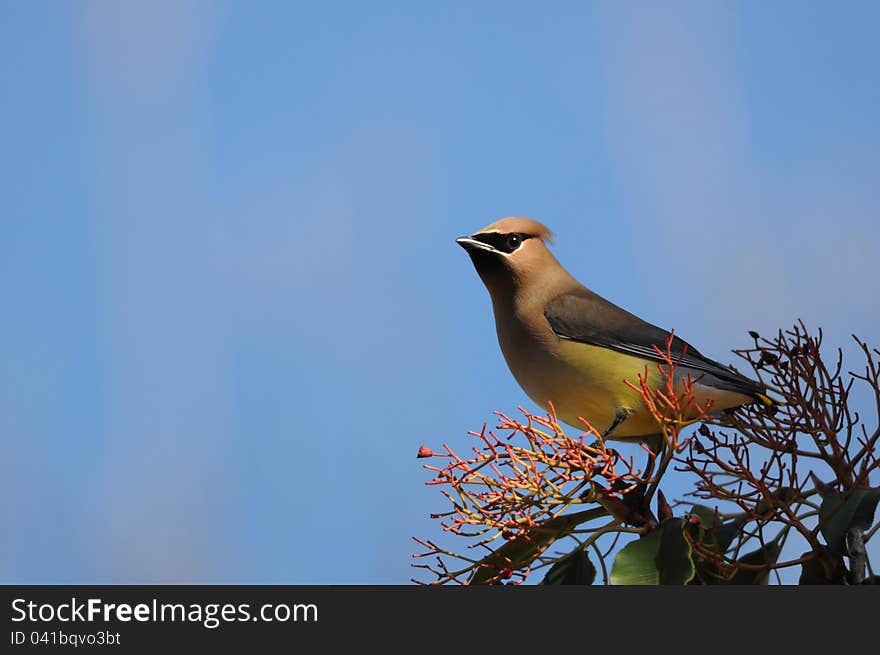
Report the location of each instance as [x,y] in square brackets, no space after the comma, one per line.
[567,345]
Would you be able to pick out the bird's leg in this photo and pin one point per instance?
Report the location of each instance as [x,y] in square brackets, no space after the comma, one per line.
[634,507]
[619,417]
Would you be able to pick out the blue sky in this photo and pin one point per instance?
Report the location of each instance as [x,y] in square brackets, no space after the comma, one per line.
[234,307]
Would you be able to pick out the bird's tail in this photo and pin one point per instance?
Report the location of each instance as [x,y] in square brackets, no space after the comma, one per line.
[766,400]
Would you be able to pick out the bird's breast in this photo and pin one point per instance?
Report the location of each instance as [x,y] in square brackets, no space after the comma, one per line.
[580,380]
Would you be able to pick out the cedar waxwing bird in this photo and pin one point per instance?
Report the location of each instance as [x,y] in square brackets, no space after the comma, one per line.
[566,345]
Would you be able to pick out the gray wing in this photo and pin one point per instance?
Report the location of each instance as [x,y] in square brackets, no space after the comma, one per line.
[588,318]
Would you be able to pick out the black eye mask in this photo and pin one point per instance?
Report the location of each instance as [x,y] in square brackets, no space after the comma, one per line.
[505,243]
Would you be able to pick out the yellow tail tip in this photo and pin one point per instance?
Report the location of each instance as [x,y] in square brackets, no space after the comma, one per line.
[767,400]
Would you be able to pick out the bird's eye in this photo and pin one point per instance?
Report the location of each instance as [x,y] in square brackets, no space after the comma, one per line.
[513,241]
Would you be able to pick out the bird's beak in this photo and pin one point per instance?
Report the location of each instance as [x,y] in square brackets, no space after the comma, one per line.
[470,244]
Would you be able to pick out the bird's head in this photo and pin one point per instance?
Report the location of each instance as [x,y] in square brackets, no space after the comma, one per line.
[511,253]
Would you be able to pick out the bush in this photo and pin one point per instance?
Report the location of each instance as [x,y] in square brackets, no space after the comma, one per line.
[526,488]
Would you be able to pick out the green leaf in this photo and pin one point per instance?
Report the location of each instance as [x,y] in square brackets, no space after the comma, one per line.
[724,533]
[825,568]
[715,536]
[720,537]
[674,558]
[780,497]
[662,557]
[837,514]
[706,516]
[575,569]
[523,549]
[765,556]
[727,532]
[636,563]
[813,572]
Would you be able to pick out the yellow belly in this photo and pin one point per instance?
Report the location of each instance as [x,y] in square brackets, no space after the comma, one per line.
[589,382]
[596,390]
